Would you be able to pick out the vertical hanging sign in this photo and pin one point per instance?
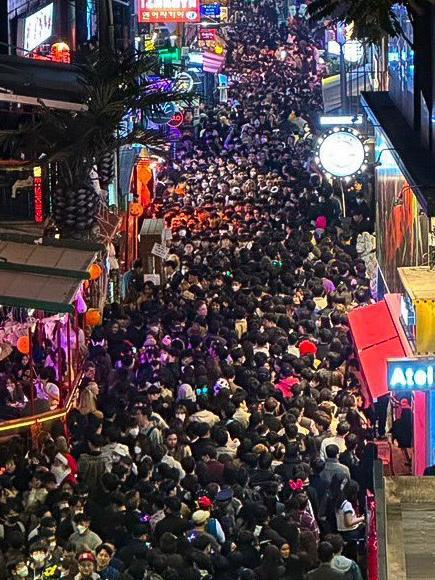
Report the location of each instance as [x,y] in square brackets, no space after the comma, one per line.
[37,195]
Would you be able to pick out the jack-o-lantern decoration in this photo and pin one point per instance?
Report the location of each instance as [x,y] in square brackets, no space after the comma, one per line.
[136,209]
[93,317]
[23,345]
[95,271]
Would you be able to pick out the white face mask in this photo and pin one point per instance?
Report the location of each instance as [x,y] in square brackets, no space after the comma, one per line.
[137,450]
[23,572]
[134,432]
[81,529]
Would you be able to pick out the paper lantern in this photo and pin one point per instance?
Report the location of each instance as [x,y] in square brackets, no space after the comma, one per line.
[95,271]
[23,345]
[93,317]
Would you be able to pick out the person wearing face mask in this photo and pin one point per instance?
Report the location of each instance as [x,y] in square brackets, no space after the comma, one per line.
[181,413]
[235,286]
[18,568]
[84,538]
[55,552]
[38,556]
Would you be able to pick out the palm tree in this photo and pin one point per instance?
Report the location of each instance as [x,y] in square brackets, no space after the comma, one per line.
[373,19]
[73,143]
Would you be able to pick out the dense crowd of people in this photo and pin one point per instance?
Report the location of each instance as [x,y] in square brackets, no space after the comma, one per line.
[221,431]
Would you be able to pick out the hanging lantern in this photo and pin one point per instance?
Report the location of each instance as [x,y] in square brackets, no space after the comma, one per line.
[95,271]
[81,304]
[93,317]
[136,209]
[23,345]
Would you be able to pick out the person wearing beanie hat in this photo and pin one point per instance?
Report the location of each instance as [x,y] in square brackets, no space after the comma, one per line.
[307,347]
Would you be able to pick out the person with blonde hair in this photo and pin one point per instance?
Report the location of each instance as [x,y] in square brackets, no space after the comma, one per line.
[88,399]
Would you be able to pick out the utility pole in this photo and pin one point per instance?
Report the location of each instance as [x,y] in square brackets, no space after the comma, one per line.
[106,33]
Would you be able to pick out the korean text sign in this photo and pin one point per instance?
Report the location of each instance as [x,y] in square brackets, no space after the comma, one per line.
[168,11]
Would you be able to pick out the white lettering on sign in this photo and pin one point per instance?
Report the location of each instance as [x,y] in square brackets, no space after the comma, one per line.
[407,377]
[171,4]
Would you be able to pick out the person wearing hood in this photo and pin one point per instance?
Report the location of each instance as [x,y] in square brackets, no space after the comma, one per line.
[186,393]
[349,568]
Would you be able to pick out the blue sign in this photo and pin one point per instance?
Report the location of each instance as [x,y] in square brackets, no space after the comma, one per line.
[210,10]
[411,374]
[162,114]
[223,81]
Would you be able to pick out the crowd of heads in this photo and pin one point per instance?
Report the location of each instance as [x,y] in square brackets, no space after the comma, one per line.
[221,429]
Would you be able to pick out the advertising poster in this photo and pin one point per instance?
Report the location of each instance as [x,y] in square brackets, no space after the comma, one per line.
[402,226]
[165,11]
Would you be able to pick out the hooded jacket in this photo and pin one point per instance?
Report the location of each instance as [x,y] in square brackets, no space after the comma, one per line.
[347,567]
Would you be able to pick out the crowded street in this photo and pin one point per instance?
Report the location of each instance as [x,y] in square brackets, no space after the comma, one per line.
[221,429]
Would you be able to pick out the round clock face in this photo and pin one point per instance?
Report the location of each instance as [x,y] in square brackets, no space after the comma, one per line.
[341,154]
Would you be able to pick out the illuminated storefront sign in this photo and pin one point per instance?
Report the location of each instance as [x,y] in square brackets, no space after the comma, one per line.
[176,120]
[162,114]
[413,374]
[207,33]
[184,82]
[37,195]
[38,28]
[341,153]
[168,11]
[210,10]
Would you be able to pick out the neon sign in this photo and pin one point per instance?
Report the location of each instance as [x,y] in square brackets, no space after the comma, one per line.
[38,27]
[176,120]
[168,11]
[412,374]
[37,195]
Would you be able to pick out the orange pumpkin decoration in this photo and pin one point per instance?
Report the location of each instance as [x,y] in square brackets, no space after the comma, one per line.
[95,271]
[136,209]
[23,345]
[93,317]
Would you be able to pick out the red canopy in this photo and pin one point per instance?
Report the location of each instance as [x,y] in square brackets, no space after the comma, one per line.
[376,340]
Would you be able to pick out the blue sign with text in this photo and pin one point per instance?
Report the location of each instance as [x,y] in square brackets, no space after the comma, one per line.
[210,10]
[413,374]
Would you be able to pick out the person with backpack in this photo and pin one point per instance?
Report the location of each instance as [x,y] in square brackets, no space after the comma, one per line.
[92,465]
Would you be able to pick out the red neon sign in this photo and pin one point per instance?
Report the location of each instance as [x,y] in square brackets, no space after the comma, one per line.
[176,120]
[37,196]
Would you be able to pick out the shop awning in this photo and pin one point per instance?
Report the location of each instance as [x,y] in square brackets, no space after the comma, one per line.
[376,339]
[44,274]
[25,80]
